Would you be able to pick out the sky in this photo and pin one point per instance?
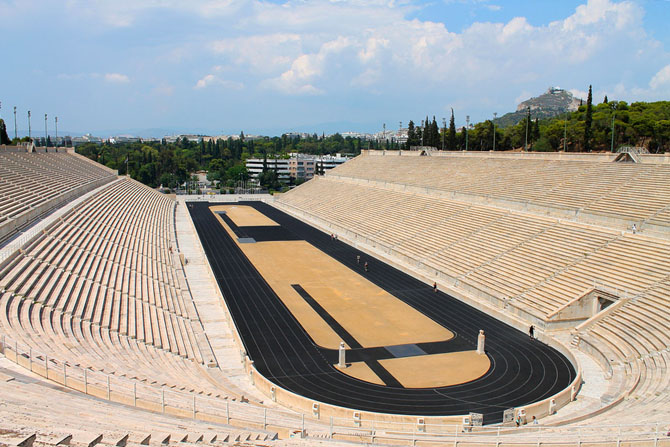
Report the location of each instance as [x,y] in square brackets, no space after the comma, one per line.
[272,66]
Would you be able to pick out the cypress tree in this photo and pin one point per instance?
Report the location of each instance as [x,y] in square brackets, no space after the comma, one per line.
[4,138]
[434,133]
[587,122]
[536,130]
[412,139]
[452,132]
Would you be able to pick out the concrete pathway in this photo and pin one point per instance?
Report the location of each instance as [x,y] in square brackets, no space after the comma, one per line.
[213,314]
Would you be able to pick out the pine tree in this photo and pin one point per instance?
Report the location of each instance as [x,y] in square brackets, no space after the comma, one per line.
[451,141]
[587,122]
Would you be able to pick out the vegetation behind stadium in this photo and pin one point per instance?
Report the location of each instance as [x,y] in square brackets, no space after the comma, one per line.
[636,124]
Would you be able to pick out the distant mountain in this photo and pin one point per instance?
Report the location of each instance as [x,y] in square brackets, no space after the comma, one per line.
[555,101]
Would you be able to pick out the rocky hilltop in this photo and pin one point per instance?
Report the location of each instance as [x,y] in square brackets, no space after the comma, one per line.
[553,102]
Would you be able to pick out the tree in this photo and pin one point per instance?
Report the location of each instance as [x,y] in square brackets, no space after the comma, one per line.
[452,132]
[605,100]
[4,138]
[435,133]
[412,137]
[588,122]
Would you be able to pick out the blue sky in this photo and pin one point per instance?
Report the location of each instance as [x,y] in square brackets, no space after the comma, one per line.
[221,66]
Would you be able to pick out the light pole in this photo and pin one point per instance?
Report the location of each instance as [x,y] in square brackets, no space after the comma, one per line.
[565,133]
[46,141]
[525,145]
[30,134]
[423,134]
[385,146]
[15,133]
[613,115]
[495,114]
[467,131]
[444,130]
[56,140]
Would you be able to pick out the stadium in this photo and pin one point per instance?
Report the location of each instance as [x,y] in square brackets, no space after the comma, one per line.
[386,302]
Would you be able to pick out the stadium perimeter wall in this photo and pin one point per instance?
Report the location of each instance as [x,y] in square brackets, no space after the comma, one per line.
[563,156]
[323,411]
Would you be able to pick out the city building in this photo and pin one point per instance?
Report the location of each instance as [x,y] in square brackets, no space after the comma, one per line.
[255,167]
[121,139]
[88,138]
[302,166]
[297,166]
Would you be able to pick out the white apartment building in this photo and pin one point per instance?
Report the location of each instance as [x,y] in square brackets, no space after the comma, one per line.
[298,166]
[282,165]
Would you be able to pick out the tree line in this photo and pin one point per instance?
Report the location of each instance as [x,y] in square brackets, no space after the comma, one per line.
[601,127]
[170,164]
[587,129]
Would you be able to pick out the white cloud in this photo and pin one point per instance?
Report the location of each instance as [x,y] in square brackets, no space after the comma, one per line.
[344,50]
[368,78]
[298,79]
[212,79]
[579,94]
[124,13]
[604,12]
[116,78]
[372,48]
[320,47]
[661,79]
[264,53]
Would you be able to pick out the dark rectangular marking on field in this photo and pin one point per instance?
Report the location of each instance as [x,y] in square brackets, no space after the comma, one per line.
[349,339]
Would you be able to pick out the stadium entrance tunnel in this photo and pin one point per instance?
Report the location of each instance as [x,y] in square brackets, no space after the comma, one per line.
[585,307]
[411,350]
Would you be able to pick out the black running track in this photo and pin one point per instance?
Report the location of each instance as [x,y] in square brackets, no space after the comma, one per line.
[522,370]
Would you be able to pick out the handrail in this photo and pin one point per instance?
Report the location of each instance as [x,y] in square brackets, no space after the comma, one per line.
[224,411]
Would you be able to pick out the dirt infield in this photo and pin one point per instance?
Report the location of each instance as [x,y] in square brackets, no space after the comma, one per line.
[374,317]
